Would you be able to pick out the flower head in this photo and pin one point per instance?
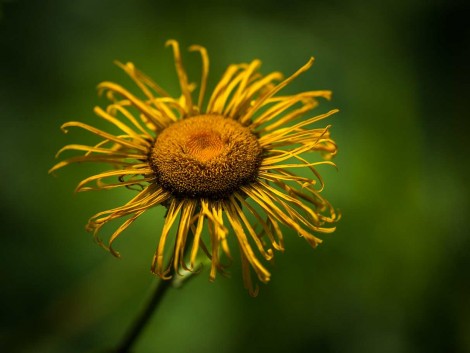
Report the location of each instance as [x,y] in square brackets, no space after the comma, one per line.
[222,169]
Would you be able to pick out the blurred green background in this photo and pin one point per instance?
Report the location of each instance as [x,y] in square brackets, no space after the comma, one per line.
[392,278]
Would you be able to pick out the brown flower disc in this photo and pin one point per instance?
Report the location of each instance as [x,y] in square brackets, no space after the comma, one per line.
[205,156]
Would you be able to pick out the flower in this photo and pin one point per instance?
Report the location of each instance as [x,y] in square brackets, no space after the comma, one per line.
[218,168]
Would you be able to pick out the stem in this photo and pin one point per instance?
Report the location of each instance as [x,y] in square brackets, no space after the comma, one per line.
[141,321]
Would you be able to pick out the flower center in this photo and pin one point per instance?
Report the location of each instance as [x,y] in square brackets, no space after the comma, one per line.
[205,156]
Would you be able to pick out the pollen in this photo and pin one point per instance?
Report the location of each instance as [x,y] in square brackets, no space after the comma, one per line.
[205,156]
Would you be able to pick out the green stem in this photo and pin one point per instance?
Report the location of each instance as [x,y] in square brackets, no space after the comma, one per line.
[142,320]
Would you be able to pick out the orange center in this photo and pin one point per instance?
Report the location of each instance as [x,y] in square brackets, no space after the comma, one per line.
[204,145]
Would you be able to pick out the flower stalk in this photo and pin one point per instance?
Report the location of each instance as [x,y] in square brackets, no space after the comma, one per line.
[143,319]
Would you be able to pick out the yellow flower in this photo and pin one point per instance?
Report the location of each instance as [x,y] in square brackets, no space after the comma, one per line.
[221,168]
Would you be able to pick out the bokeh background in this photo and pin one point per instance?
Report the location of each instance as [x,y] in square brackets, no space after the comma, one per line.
[392,278]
